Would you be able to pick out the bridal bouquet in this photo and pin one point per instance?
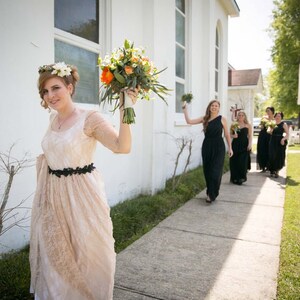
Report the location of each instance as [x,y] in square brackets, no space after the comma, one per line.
[127,67]
[234,128]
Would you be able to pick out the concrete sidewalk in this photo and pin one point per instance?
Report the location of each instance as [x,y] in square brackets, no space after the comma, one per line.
[225,250]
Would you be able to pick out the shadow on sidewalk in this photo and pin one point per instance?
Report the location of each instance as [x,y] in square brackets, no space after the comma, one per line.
[210,251]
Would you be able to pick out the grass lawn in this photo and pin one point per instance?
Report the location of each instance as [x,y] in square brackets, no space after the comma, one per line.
[289,269]
[294,147]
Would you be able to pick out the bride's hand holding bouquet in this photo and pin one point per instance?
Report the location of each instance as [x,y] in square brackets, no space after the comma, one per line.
[128,69]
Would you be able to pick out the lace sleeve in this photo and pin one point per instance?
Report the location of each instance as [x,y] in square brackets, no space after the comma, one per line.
[96,126]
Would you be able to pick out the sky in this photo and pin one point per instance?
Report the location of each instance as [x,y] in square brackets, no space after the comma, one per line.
[249,44]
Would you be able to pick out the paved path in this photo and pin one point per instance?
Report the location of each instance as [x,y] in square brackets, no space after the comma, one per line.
[226,250]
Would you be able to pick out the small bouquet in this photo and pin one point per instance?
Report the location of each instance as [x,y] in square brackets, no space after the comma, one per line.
[187,98]
[263,123]
[127,67]
[270,126]
[234,128]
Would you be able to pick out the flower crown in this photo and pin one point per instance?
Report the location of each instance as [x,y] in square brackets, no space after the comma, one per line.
[60,69]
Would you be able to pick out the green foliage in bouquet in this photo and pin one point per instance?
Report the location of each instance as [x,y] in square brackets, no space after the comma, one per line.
[128,67]
[234,128]
[187,97]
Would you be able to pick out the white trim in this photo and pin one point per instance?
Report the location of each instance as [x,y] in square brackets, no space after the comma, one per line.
[187,57]
[232,8]
[74,40]
[243,87]
[181,123]
[105,27]
[217,69]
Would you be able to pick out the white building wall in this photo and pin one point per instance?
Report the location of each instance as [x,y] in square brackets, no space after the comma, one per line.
[243,97]
[25,28]
[27,41]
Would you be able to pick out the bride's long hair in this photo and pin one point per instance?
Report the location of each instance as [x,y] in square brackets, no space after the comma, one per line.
[207,113]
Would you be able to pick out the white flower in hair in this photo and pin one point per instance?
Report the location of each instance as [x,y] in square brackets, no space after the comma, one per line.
[61,69]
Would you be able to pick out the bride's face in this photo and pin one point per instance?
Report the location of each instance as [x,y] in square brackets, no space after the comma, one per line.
[56,93]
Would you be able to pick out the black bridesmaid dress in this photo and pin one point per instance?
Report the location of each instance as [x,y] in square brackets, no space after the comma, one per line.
[276,150]
[262,156]
[213,153]
[240,160]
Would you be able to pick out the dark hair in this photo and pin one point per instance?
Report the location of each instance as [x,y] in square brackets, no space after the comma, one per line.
[271,108]
[279,113]
[46,75]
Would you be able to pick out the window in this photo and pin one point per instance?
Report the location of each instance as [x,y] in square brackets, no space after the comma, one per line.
[78,17]
[78,25]
[180,44]
[87,90]
[217,62]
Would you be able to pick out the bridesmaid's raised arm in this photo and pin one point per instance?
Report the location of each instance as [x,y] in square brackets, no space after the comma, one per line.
[187,118]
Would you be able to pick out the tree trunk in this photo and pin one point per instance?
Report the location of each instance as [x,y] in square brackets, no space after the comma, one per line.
[6,195]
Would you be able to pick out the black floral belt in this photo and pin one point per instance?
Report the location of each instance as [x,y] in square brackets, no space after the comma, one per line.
[70,171]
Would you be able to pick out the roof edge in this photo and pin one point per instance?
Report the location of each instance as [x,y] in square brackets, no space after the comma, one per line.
[231,7]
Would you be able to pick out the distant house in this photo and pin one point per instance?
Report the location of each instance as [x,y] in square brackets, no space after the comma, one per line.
[243,85]
[189,37]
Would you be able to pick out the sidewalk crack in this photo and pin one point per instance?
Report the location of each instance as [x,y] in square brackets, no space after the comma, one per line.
[121,287]
[218,236]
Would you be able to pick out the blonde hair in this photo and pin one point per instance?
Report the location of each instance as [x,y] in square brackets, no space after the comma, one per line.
[207,113]
[246,119]
[73,78]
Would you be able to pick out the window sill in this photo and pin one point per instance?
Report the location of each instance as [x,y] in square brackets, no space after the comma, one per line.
[181,123]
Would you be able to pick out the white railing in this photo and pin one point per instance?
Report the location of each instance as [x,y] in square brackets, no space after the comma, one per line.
[294,137]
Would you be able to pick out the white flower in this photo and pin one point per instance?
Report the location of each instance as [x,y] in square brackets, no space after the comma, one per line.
[106,61]
[61,69]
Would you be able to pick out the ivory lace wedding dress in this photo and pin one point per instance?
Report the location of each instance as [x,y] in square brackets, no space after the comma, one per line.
[72,253]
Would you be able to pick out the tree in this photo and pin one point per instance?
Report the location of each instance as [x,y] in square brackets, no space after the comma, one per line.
[11,166]
[283,79]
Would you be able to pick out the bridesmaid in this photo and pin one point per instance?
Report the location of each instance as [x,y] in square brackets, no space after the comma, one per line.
[241,146]
[213,148]
[277,147]
[262,157]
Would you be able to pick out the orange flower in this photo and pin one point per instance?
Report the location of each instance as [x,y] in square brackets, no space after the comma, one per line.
[107,76]
[128,70]
[134,59]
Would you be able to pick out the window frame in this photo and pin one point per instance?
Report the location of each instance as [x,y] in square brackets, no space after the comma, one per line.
[104,43]
[184,81]
[217,64]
